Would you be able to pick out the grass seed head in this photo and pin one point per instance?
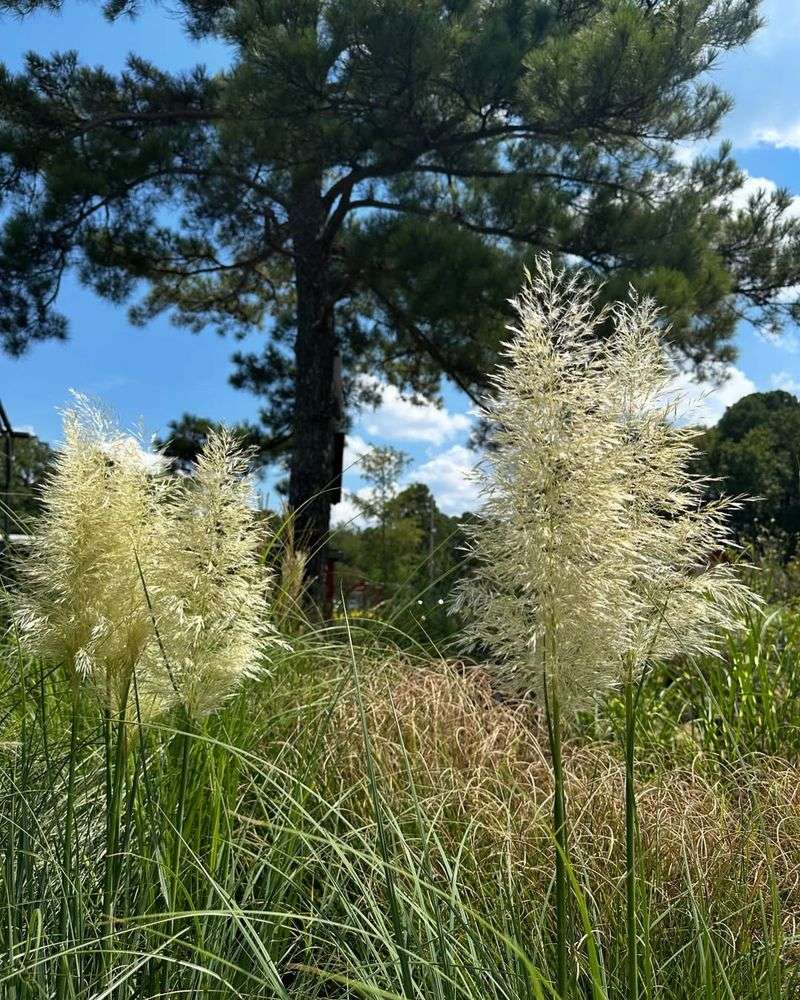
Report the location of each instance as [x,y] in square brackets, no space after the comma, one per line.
[214,586]
[133,572]
[595,548]
[81,601]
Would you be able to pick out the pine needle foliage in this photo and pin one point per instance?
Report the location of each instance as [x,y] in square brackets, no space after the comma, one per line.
[596,551]
[137,573]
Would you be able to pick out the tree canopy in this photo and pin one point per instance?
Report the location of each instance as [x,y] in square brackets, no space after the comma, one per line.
[365,180]
[188,435]
[409,554]
[32,459]
[754,450]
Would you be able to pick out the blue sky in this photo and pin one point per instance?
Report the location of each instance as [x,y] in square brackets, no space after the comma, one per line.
[157,373]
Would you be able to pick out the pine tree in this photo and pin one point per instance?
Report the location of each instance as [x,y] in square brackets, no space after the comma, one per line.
[365,180]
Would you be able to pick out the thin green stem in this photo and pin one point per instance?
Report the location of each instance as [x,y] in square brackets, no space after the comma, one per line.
[554,730]
[108,774]
[116,767]
[67,899]
[632,965]
[43,711]
[181,817]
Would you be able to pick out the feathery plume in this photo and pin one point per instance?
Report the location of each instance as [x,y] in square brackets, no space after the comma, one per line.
[213,588]
[80,600]
[595,548]
[136,572]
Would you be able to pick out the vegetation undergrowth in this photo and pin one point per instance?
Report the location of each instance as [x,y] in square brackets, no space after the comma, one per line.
[369,822]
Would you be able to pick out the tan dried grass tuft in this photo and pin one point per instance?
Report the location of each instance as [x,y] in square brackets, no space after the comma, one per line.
[481,773]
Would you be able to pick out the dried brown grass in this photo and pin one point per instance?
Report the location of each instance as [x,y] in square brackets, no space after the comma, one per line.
[478,770]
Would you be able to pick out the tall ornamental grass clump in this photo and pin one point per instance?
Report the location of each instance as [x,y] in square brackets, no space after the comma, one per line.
[149,590]
[595,553]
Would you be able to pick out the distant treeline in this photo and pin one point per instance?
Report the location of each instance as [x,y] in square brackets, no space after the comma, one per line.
[754,451]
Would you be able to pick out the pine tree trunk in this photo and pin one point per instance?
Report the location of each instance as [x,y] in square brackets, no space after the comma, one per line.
[311,476]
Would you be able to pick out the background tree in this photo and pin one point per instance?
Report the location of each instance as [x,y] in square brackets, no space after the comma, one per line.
[755,450]
[438,552]
[365,179]
[31,462]
[185,440]
[423,556]
[383,468]
[187,437]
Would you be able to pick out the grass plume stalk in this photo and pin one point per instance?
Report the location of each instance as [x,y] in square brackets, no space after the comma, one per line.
[211,589]
[80,603]
[596,553]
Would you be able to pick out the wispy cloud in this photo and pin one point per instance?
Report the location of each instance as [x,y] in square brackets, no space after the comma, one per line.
[449,477]
[400,418]
[355,446]
[346,513]
[783,341]
[753,186]
[785,137]
[703,403]
[786,381]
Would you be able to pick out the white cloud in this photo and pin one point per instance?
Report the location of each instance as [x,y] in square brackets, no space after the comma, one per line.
[704,404]
[400,419]
[354,447]
[786,381]
[449,477]
[752,186]
[346,513]
[785,137]
[686,151]
[782,341]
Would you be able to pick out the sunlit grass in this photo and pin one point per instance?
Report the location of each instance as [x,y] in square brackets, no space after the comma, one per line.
[374,822]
